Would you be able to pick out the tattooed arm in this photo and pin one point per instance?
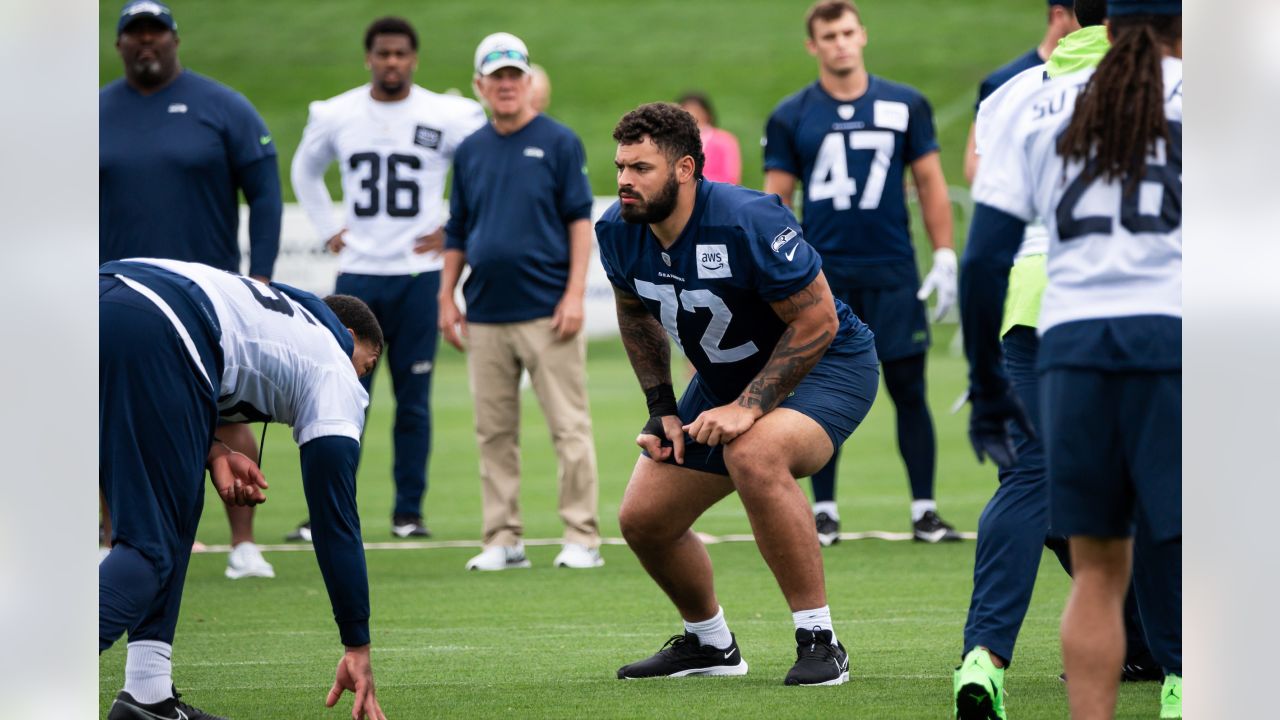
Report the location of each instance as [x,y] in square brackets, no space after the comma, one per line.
[811,321]
[650,353]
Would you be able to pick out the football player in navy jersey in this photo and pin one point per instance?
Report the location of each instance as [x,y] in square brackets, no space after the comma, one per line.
[1098,155]
[848,138]
[182,346]
[784,374]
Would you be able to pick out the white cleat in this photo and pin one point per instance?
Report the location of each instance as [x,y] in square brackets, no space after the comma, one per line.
[500,557]
[246,560]
[574,555]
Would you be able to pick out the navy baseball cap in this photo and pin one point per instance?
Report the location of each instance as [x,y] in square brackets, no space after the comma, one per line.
[138,9]
[1117,8]
[1064,3]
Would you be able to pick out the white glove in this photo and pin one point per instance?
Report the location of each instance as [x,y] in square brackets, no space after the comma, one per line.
[941,277]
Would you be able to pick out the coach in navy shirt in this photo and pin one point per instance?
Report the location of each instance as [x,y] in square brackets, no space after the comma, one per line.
[174,150]
[520,217]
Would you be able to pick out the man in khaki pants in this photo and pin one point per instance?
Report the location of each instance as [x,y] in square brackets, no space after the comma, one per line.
[520,216]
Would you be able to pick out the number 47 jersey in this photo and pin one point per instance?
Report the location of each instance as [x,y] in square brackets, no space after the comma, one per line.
[394,158]
[711,289]
[1112,253]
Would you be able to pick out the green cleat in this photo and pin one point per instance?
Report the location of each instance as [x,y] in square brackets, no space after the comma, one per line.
[1171,698]
[979,688]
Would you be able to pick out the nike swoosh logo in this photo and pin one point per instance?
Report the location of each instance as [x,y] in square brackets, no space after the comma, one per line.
[147,714]
[730,653]
[265,139]
[791,254]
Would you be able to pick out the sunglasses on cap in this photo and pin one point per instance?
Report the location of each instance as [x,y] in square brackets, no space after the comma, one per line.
[508,54]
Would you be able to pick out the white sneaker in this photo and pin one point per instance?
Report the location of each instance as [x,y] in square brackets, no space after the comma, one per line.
[574,555]
[500,557]
[246,560]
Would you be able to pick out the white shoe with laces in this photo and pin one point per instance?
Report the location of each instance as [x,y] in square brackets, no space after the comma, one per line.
[246,560]
[574,555]
[500,557]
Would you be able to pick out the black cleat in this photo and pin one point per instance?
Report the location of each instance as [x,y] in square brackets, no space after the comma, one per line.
[682,656]
[932,529]
[818,660]
[828,529]
[300,534]
[407,526]
[126,708]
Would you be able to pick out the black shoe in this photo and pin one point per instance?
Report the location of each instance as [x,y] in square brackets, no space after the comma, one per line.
[683,655]
[932,529]
[1135,672]
[406,526]
[818,660]
[126,708]
[828,529]
[301,534]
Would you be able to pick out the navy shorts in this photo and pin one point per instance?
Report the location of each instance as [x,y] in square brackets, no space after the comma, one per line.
[837,394]
[1113,442]
[894,314]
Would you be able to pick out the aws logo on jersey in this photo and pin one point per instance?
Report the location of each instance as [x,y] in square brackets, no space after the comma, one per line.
[713,261]
[427,137]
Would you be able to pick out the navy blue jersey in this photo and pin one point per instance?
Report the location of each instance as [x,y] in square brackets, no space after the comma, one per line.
[170,166]
[513,199]
[851,158]
[740,251]
[1006,72]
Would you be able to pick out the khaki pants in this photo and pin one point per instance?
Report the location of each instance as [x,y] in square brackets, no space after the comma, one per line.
[496,353]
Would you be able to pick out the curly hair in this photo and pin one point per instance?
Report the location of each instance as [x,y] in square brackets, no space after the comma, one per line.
[354,314]
[669,126]
[390,26]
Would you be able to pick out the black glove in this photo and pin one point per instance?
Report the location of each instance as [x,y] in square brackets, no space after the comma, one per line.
[989,425]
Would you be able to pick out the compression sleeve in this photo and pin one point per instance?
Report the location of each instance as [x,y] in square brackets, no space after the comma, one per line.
[994,237]
[261,184]
[329,481]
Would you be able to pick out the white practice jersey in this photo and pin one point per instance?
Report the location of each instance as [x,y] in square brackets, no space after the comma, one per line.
[1110,255]
[279,361]
[1035,241]
[394,158]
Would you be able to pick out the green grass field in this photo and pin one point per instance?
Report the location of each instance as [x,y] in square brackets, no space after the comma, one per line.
[546,642]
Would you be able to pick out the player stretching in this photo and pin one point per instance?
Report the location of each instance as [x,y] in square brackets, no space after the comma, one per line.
[785,374]
[1098,155]
[849,137]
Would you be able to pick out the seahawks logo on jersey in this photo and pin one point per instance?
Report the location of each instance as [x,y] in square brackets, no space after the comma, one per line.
[427,137]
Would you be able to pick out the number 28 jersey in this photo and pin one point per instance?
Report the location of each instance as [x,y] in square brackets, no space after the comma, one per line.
[1111,254]
[711,289]
[393,157]
[851,158]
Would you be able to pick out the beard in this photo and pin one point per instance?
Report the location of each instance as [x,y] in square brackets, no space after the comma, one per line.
[148,73]
[656,209]
[391,88]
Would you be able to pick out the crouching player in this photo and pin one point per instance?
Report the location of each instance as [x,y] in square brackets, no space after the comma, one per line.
[181,346]
[785,374]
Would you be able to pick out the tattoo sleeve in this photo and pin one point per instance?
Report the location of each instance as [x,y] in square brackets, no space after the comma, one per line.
[811,321]
[645,340]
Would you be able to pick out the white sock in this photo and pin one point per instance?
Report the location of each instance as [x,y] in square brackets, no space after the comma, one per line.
[817,618]
[148,671]
[920,507]
[713,632]
[828,507]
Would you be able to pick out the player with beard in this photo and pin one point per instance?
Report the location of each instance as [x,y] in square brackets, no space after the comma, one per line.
[394,144]
[785,374]
[175,149]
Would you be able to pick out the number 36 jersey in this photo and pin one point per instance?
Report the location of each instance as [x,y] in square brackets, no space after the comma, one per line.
[1111,253]
[851,157]
[285,357]
[711,289]
[394,158]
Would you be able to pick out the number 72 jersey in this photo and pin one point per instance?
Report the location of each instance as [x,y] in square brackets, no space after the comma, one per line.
[1112,253]
[851,157]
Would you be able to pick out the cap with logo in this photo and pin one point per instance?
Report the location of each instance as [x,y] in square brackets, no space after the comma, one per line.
[501,50]
[1117,8]
[139,9]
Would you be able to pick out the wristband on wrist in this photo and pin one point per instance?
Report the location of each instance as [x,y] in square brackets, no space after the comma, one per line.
[661,400]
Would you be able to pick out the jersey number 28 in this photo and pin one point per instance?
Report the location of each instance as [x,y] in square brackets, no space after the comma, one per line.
[830,177]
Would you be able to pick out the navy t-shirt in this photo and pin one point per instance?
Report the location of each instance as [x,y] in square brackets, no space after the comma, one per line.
[740,250]
[1005,73]
[169,168]
[513,199]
